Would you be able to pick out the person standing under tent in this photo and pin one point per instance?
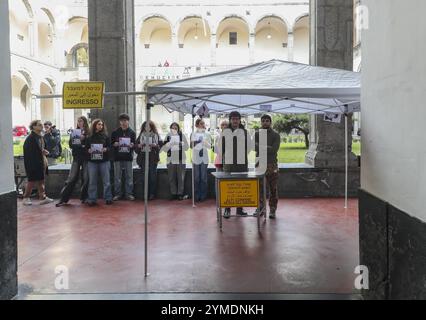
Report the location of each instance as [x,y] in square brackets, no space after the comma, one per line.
[154,143]
[98,145]
[272,170]
[123,141]
[36,165]
[235,129]
[218,146]
[78,169]
[176,145]
[201,145]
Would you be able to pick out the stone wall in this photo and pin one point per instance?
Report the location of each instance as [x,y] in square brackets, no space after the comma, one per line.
[296,181]
[393,247]
[8,247]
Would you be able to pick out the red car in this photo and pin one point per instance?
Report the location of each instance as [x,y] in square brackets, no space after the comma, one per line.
[20,131]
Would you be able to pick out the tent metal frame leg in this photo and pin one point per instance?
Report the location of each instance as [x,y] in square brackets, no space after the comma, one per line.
[346,161]
[146,182]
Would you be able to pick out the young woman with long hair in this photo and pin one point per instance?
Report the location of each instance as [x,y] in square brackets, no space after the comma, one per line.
[98,146]
[176,145]
[78,169]
[154,143]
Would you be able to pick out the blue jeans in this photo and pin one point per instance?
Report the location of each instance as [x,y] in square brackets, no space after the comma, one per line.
[200,181]
[127,167]
[152,179]
[97,169]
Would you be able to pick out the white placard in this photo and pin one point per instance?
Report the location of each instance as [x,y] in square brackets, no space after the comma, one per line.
[124,145]
[175,142]
[147,141]
[76,137]
[97,151]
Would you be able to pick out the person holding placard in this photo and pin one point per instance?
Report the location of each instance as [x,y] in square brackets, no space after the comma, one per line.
[176,145]
[153,143]
[78,169]
[123,140]
[98,145]
[201,144]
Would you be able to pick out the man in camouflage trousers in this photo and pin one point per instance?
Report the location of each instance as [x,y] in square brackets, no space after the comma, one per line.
[272,171]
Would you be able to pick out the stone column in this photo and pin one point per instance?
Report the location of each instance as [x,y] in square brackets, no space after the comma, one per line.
[112,56]
[33,34]
[290,45]
[175,46]
[8,201]
[252,43]
[213,43]
[331,46]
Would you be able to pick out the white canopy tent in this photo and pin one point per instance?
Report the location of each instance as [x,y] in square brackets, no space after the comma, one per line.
[274,86]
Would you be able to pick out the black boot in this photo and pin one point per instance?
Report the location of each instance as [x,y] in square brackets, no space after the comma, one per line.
[241,212]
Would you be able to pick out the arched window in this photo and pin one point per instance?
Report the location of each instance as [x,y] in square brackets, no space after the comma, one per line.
[25,96]
[80,55]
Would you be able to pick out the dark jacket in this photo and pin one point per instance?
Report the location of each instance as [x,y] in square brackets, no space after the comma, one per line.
[34,160]
[99,138]
[273,145]
[79,151]
[52,141]
[235,166]
[115,137]
[154,154]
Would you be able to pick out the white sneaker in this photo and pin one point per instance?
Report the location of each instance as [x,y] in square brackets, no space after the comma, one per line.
[27,202]
[46,201]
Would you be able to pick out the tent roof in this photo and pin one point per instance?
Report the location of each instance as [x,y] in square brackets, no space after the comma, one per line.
[272,86]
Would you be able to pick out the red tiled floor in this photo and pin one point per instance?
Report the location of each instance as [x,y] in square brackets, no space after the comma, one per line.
[311,248]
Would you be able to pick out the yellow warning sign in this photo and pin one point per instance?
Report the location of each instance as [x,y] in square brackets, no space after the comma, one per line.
[239,193]
[83,95]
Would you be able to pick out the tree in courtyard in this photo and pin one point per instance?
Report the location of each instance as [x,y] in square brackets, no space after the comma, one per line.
[287,122]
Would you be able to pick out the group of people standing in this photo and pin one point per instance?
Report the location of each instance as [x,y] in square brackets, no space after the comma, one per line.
[95,151]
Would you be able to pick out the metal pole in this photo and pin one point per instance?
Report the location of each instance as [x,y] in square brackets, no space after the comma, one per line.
[346,161]
[193,166]
[147,132]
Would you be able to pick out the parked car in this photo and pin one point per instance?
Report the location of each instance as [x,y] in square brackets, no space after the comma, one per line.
[20,131]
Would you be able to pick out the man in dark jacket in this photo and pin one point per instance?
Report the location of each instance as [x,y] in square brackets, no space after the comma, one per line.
[240,148]
[52,140]
[272,172]
[35,163]
[123,140]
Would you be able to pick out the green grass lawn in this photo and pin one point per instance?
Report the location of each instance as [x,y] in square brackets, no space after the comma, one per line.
[356,148]
[289,152]
[292,152]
